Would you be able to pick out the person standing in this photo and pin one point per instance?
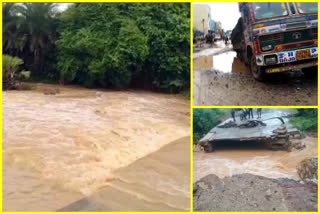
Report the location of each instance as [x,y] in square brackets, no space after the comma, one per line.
[233,112]
[250,112]
[259,110]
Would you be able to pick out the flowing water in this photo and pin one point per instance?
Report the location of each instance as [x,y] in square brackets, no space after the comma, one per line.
[60,148]
[255,159]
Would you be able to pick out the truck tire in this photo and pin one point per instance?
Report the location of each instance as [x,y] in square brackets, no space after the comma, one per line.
[258,72]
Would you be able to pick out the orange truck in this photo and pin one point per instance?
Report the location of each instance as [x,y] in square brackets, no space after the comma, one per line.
[273,37]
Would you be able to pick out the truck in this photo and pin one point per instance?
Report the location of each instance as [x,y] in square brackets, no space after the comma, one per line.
[272,37]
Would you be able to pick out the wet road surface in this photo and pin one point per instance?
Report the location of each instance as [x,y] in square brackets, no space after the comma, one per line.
[267,117]
[220,78]
[146,190]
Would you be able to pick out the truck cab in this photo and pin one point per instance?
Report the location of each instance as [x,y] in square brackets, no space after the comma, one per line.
[277,37]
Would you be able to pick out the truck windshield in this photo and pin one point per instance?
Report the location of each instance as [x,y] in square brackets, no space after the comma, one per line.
[269,10]
[305,7]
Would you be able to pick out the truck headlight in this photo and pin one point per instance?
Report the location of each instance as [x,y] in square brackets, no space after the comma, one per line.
[270,60]
[266,48]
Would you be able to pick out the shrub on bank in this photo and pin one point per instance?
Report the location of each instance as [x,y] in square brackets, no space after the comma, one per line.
[10,66]
[126,45]
[305,120]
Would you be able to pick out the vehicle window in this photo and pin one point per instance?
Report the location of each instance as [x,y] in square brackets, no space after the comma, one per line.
[269,10]
[307,7]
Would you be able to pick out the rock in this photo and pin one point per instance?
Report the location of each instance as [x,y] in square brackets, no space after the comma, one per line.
[281,130]
[229,124]
[308,169]
[197,148]
[296,145]
[51,91]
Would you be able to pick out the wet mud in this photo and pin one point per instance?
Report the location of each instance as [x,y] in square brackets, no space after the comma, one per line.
[220,78]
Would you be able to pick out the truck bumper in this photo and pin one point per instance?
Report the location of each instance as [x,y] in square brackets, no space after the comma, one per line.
[284,68]
[283,57]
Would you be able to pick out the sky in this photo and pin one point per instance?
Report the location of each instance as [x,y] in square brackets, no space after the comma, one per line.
[63,6]
[227,13]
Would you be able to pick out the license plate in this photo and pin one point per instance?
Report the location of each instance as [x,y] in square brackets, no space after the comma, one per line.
[273,70]
[303,54]
[314,52]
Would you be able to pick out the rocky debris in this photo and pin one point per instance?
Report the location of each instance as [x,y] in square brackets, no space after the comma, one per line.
[247,192]
[246,124]
[197,148]
[281,130]
[296,145]
[251,124]
[308,169]
[51,91]
[297,135]
[229,124]
[207,146]
[279,142]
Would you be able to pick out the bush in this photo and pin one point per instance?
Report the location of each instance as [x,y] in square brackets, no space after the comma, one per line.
[10,66]
[305,120]
[126,45]
[204,120]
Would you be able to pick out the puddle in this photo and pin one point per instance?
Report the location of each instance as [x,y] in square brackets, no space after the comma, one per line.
[223,62]
[226,62]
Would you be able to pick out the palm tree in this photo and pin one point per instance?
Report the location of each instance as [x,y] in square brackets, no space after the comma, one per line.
[29,30]
[40,28]
[13,37]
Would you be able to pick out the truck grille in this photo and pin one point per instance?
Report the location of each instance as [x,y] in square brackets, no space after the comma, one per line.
[289,37]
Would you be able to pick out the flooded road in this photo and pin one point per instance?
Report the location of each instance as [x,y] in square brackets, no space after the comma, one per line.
[255,159]
[238,157]
[220,78]
[164,188]
[59,148]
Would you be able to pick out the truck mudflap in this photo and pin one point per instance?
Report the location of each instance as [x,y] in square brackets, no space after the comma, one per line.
[291,67]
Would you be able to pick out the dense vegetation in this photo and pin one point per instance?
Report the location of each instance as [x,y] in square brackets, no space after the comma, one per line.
[204,120]
[305,119]
[111,45]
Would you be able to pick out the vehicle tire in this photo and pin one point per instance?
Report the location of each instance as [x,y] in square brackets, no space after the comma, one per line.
[208,148]
[310,72]
[258,72]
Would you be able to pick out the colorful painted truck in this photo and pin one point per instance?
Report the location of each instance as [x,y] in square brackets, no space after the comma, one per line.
[277,37]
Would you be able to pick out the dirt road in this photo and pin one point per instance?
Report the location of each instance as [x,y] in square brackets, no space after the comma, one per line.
[220,78]
[247,192]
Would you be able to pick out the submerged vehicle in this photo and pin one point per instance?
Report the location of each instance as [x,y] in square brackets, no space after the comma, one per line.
[277,37]
[274,132]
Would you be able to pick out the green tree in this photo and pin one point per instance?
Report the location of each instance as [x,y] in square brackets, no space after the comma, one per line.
[126,44]
[204,120]
[305,119]
[29,31]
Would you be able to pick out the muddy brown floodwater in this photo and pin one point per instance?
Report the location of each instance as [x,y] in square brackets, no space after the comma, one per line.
[60,148]
[220,78]
[254,159]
